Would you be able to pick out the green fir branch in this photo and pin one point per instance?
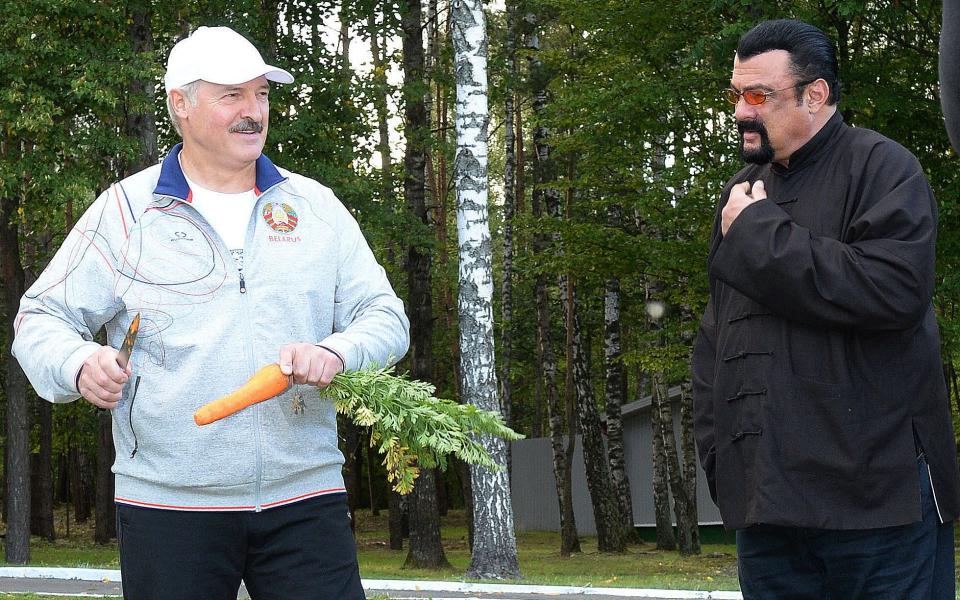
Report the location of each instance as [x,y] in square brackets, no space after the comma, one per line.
[410,426]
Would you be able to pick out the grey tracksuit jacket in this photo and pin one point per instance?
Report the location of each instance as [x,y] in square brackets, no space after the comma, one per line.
[308,276]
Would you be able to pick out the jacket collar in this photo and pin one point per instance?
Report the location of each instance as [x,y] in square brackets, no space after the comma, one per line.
[811,151]
[172,182]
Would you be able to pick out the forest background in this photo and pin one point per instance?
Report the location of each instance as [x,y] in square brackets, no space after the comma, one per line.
[608,142]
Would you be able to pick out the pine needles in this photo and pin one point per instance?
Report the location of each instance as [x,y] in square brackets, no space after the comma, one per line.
[411,427]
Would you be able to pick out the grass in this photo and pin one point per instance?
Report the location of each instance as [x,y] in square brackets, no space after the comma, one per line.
[642,566]
[540,562]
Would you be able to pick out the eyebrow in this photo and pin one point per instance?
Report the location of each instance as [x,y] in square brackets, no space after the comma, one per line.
[236,88]
[758,86]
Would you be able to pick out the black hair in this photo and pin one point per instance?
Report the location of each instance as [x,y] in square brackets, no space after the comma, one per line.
[812,54]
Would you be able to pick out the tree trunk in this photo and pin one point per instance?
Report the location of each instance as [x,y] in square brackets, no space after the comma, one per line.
[546,199]
[681,501]
[953,385]
[41,501]
[426,549]
[141,119]
[41,477]
[368,452]
[80,484]
[380,104]
[509,174]
[269,24]
[616,392]
[349,440]
[41,467]
[18,414]
[106,523]
[44,473]
[494,543]
[442,190]
[466,490]
[661,478]
[688,468]
[606,512]
[395,504]
[562,455]
[344,39]
[443,501]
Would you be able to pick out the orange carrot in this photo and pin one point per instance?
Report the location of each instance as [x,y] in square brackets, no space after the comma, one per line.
[265,384]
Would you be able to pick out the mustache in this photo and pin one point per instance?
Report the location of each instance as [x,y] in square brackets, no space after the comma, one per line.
[751,125]
[247,126]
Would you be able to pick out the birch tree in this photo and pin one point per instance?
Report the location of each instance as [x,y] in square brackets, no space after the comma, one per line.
[494,544]
[616,392]
[546,202]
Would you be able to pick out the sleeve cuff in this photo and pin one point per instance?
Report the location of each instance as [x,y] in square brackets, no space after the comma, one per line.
[345,350]
[70,371]
[343,363]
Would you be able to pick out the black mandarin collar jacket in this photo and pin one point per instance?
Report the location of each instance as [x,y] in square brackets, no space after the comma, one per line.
[818,353]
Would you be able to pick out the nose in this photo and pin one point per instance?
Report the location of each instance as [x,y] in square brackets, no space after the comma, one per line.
[743,110]
[251,107]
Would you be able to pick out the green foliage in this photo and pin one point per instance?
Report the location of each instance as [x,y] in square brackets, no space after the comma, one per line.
[410,425]
[635,123]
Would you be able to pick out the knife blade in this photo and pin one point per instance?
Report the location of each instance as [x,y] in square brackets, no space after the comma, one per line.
[123,355]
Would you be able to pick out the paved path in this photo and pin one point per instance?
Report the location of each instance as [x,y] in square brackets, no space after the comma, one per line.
[105,583]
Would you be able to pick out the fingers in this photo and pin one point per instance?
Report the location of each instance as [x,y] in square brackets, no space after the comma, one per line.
[101,379]
[741,196]
[309,364]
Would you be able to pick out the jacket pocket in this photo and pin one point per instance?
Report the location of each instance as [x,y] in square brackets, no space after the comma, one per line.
[820,429]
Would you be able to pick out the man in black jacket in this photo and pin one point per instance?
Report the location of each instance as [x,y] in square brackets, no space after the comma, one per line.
[822,417]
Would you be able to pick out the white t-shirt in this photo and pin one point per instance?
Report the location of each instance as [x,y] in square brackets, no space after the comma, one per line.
[228,214]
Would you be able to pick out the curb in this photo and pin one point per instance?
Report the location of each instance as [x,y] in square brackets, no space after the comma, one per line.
[113,576]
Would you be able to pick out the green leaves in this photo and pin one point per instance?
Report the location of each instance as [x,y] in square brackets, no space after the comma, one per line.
[410,426]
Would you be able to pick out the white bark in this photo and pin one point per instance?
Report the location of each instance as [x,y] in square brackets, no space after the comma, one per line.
[494,546]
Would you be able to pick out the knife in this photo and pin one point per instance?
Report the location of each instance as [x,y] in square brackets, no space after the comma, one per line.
[123,356]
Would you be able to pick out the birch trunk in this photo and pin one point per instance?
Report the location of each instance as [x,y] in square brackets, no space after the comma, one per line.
[494,543]
[546,203]
[380,105]
[661,478]
[688,467]
[606,512]
[562,455]
[616,391]
[682,503]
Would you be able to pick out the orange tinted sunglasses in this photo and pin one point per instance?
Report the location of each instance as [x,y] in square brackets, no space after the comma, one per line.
[756,97]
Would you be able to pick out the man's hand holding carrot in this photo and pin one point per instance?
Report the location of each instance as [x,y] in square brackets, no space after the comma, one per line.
[101,379]
[310,364]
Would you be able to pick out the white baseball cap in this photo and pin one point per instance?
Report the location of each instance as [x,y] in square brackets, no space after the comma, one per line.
[218,55]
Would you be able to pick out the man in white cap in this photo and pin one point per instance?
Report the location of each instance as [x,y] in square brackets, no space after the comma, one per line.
[232,263]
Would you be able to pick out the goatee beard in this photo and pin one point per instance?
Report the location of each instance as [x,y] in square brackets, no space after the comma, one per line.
[761,155]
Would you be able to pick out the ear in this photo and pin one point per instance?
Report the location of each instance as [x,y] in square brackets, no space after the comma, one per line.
[179,103]
[816,95]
